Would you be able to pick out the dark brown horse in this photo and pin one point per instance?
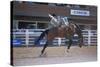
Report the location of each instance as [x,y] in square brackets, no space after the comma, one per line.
[62,32]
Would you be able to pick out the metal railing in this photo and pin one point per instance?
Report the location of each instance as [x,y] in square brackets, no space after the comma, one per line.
[28,36]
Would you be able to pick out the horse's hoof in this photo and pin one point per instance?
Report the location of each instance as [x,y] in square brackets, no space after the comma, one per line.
[67,51]
[42,55]
[80,46]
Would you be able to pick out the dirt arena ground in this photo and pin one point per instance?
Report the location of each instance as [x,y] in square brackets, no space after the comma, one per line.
[24,56]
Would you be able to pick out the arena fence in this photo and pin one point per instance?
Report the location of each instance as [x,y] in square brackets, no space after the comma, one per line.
[27,37]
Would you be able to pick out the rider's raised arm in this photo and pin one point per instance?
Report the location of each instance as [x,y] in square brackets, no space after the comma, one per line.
[52,17]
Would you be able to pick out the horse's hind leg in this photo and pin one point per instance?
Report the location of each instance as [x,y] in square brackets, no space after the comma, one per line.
[45,46]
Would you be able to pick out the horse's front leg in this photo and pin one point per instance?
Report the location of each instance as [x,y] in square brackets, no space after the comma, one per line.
[69,45]
[80,42]
[80,36]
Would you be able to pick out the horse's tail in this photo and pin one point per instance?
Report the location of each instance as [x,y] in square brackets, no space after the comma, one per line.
[41,37]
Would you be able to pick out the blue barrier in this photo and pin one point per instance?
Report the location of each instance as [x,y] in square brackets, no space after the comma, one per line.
[16,42]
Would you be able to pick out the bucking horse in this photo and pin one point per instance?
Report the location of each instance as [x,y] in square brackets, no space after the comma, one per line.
[62,28]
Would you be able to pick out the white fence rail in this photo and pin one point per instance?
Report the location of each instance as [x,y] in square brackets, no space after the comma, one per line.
[28,36]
